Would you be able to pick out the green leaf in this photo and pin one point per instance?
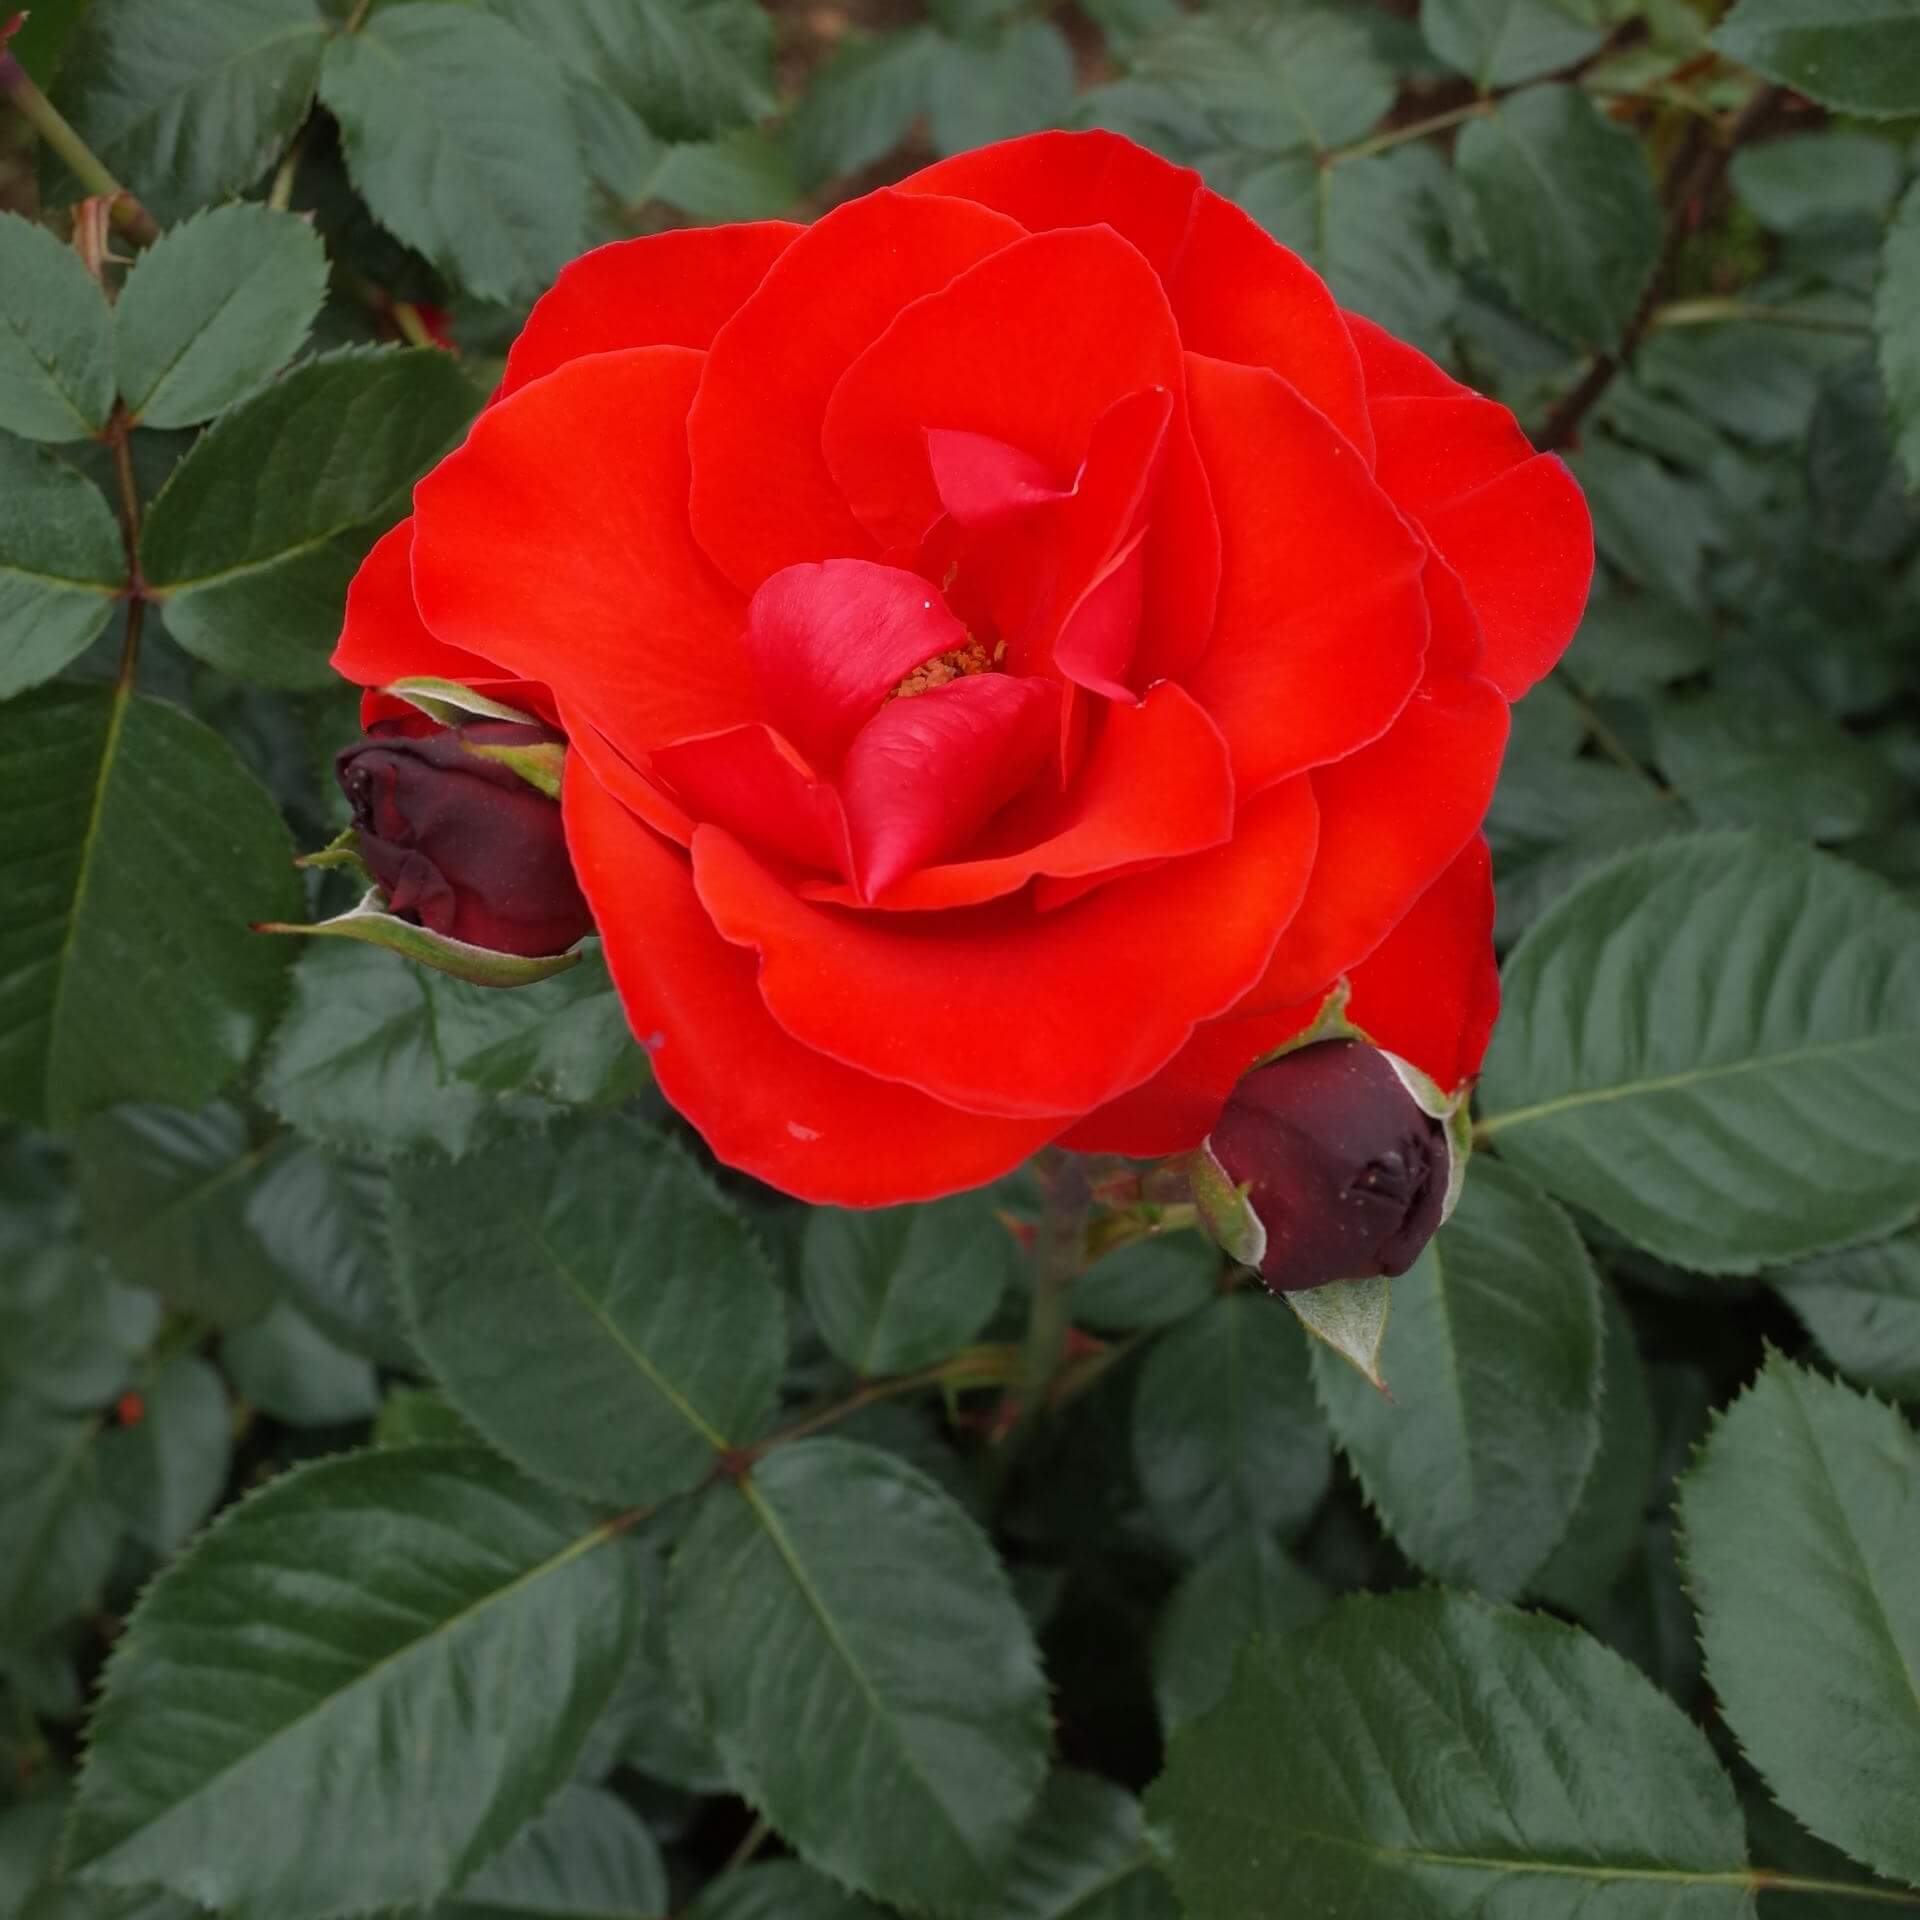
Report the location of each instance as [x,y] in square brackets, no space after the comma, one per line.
[863,102]
[1896,319]
[1427,1755]
[594,1306]
[743,175]
[60,1528]
[1857,56]
[189,103]
[418,1417]
[687,68]
[1150,1283]
[898,1288]
[1493,1358]
[457,132]
[62,567]
[1653,526]
[167,1471]
[1498,43]
[1714,1045]
[212,309]
[779,1890]
[1226,1435]
[68,1332]
[140,849]
[1809,179]
[1019,81]
[1813,1666]
[1084,1856]
[1862,1305]
[251,543]
[1247,1588]
[284,1365]
[408,1646]
[587,1857]
[323,1223]
[1634,643]
[1860,509]
[869,1681]
[1566,210]
[1609,1520]
[56,338]
[167,1193]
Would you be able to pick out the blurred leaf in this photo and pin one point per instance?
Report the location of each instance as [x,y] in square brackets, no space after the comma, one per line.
[1570,1785]
[167,1471]
[1084,1856]
[62,567]
[212,309]
[60,1528]
[1859,492]
[897,1288]
[1654,527]
[1493,1359]
[1565,207]
[166,1192]
[1226,1435]
[187,104]
[420,1417]
[1151,1283]
[778,1890]
[1016,83]
[284,1365]
[1246,1589]
[594,1306]
[69,1332]
[1756,382]
[1857,56]
[1610,1516]
[863,102]
[1862,1305]
[1813,1667]
[867,1677]
[376,1592]
[56,338]
[743,175]
[1634,643]
[1498,43]
[587,1854]
[1896,315]
[457,131]
[138,852]
[1713,1045]
[251,543]
[1809,179]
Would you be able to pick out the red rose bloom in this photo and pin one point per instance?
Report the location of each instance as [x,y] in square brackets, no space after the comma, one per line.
[1020,645]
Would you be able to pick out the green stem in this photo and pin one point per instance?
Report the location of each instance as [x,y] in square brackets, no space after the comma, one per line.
[1709,313]
[1059,1253]
[280,194]
[1413,130]
[81,161]
[991,1366]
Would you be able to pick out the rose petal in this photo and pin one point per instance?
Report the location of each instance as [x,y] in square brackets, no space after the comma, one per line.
[763,1102]
[1005,1011]
[1049,180]
[383,638]
[1322,624]
[1430,991]
[663,290]
[983,482]
[762,495]
[924,775]
[1392,368]
[556,541]
[751,782]
[1031,347]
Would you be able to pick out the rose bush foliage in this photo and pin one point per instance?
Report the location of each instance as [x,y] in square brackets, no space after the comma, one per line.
[1023,594]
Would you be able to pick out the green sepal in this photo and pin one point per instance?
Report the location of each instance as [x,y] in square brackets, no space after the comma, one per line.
[1350,1316]
[1226,1214]
[539,765]
[452,705]
[343,850]
[481,966]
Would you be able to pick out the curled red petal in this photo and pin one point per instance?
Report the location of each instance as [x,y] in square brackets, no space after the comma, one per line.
[763,1102]
[751,782]
[663,290]
[383,638]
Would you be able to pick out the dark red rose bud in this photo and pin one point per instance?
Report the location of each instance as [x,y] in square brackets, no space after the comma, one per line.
[1342,1168]
[463,844]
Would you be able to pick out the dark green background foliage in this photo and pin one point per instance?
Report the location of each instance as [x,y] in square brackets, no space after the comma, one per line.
[428,1484]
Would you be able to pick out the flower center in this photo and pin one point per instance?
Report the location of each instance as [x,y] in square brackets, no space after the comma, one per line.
[955,664]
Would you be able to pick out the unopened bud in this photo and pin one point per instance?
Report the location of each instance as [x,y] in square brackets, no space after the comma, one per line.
[1341,1166]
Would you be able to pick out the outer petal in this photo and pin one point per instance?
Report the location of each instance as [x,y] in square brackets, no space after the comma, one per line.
[762,495]
[384,638]
[664,290]
[1155,784]
[1240,295]
[1322,623]
[1051,180]
[763,1102]
[1031,347]
[1006,1011]
[556,541]
[1395,370]
[1430,990]
[1512,523]
[1176,1109]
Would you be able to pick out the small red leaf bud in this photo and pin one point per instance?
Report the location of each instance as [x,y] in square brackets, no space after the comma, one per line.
[1342,1168]
[461,843]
